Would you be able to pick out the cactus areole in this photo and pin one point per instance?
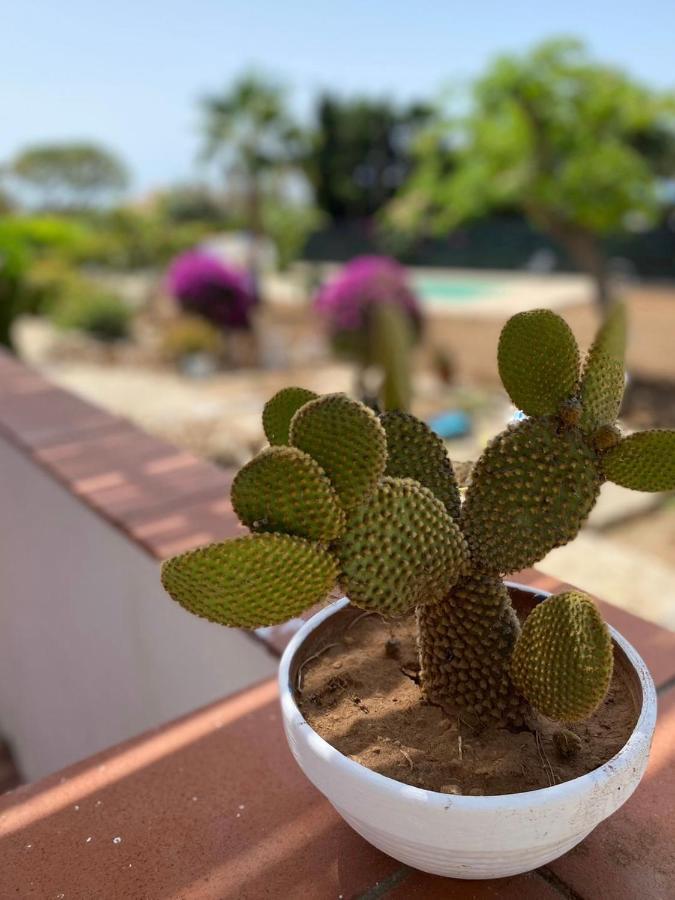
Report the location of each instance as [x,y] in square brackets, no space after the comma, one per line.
[346,498]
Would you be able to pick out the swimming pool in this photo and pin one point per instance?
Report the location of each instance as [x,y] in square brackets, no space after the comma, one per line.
[453,290]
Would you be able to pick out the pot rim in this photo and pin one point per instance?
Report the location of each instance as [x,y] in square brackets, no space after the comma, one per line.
[625,757]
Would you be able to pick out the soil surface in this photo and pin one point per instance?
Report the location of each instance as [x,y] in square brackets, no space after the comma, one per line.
[362,696]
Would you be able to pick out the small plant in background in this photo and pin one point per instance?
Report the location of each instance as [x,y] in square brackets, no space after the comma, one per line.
[204,286]
[371,502]
[84,307]
[374,318]
[188,336]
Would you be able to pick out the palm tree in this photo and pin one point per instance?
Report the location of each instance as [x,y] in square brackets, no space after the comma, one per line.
[249,132]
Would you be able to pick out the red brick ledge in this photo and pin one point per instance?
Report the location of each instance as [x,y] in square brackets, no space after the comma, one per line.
[213,806]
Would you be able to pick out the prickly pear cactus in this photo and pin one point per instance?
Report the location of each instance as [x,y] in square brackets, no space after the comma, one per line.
[400,549]
[465,646]
[372,503]
[563,660]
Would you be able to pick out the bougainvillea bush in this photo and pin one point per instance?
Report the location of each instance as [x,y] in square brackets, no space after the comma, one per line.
[346,301]
[206,287]
[373,317]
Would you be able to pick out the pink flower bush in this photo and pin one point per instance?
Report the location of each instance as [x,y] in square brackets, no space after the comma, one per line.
[206,287]
[365,281]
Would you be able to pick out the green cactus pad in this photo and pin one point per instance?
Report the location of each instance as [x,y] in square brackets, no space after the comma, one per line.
[644,461]
[530,491]
[400,549]
[538,361]
[260,579]
[466,643]
[348,442]
[284,489]
[603,378]
[280,409]
[415,451]
[563,658]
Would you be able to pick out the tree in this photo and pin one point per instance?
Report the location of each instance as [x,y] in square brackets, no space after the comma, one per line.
[69,176]
[359,154]
[576,145]
[249,132]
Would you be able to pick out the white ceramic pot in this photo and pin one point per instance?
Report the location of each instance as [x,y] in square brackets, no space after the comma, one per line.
[458,836]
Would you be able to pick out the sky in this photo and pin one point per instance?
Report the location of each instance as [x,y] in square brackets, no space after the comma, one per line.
[129,74]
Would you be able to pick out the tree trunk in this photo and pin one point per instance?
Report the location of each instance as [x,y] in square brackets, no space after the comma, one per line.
[584,249]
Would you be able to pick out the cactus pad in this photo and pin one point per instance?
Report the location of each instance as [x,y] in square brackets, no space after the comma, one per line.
[644,461]
[400,549]
[563,658]
[466,643]
[280,409]
[415,451]
[603,378]
[538,361]
[284,489]
[260,579]
[348,442]
[530,491]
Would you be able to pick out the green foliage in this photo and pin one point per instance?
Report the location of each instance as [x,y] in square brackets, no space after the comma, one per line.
[466,643]
[289,226]
[538,361]
[283,489]
[563,660]
[400,549]
[280,409]
[359,153]
[85,307]
[76,175]
[348,442]
[574,144]
[14,262]
[128,239]
[530,491]
[250,581]
[415,451]
[644,461]
[186,335]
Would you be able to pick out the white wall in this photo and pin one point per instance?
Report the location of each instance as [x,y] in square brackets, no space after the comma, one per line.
[92,651]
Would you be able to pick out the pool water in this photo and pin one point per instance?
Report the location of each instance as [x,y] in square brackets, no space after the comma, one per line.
[450,290]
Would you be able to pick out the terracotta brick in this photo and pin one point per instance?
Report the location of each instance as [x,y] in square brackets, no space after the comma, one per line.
[418,886]
[630,855]
[212,806]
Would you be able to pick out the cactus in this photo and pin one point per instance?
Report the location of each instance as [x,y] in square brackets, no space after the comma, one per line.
[562,661]
[284,489]
[400,549]
[280,409]
[260,579]
[373,504]
[415,451]
[374,318]
[347,441]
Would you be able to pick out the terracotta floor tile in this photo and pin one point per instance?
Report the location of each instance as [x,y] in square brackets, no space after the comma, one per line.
[418,886]
[630,856]
[212,806]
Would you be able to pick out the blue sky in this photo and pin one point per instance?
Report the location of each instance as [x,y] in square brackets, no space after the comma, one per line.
[129,73]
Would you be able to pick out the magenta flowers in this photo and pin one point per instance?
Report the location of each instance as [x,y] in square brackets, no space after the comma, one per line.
[367,280]
[205,286]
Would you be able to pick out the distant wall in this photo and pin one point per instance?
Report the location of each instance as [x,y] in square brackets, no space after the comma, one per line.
[92,650]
